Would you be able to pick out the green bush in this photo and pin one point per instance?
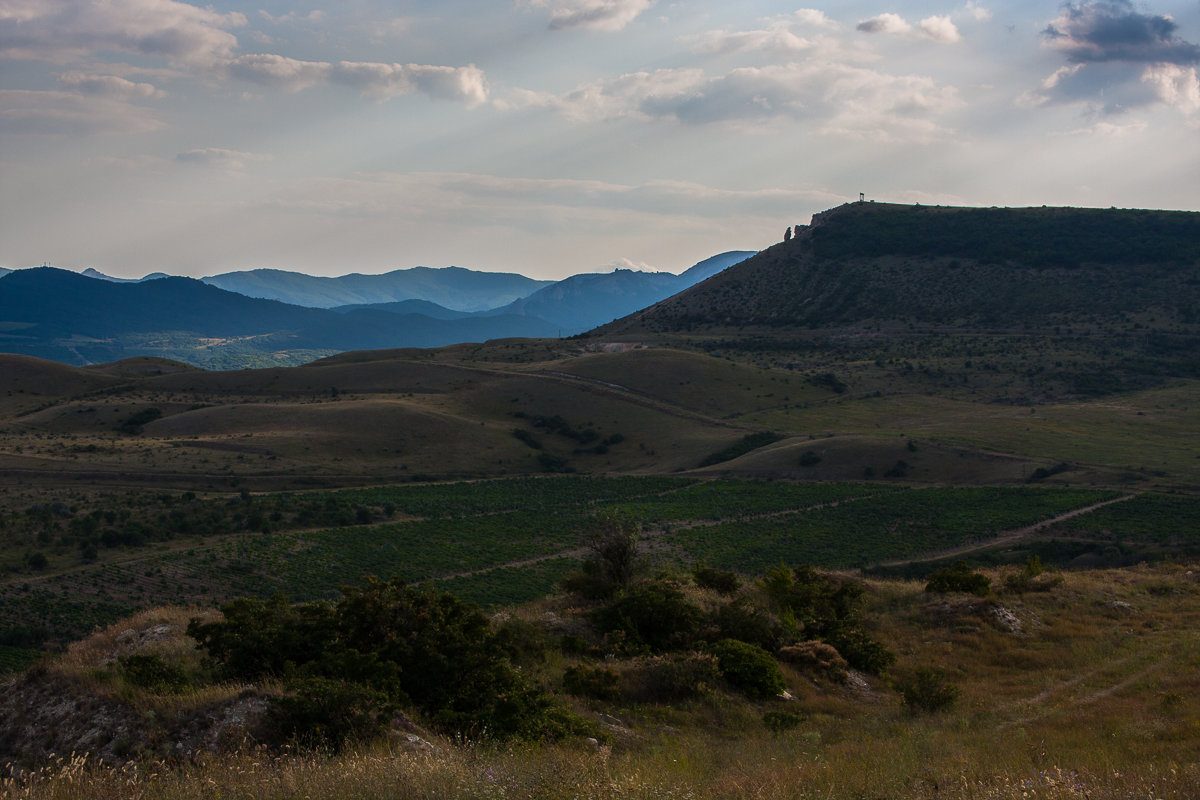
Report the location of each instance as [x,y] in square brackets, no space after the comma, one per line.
[959,578]
[329,712]
[150,671]
[653,614]
[928,690]
[600,683]
[779,721]
[749,668]
[675,676]
[718,580]
[383,644]
[746,621]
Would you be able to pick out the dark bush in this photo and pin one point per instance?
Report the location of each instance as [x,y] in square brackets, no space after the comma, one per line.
[928,690]
[654,614]
[674,677]
[329,712]
[150,671]
[749,668]
[779,721]
[746,621]
[809,459]
[959,578]
[600,683]
[718,580]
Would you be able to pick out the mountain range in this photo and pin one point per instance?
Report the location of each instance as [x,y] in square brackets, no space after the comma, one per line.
[90,317]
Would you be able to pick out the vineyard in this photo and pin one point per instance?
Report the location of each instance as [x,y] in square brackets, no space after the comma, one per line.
[503,542]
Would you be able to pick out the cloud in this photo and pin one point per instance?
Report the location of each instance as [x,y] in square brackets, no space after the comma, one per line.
[601,15]
[893,24]
[1117,60]
[833,96]
[977,11]
[777,38]
[109,86]
[64,30]
[374,80]
[220,158]
[938,29]
[72,114]
[1093,32]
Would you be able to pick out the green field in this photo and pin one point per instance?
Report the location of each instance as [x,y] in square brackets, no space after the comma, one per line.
[509,541]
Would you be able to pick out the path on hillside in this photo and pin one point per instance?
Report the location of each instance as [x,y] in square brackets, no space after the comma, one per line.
[1006,537]
[635,397]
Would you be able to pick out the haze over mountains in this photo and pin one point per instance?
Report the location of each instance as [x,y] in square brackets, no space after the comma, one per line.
[93,318]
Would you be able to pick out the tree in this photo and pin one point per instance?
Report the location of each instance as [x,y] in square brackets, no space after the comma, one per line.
[787,235]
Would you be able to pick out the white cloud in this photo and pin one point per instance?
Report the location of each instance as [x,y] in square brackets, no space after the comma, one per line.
[72,114]
[64,30]
[109,86]
[1175,86]
[889,23]
[938,29]
[602,15]
[220,158]
[977,11]
[375,80]
[832,96]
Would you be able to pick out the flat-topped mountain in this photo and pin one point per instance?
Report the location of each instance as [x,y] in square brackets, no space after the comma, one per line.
[867,263]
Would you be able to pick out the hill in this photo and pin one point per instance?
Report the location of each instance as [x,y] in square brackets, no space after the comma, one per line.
[52,313]
[581,302]
[453,287]
[1089,301]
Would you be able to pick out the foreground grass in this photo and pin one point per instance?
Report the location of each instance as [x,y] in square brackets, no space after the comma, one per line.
[926,762]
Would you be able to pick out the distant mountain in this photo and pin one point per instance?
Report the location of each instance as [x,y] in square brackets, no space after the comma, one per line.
[4,271]
[582,302]
[870,263]
[94,273]
[452,287]
[64,316]
[432,310]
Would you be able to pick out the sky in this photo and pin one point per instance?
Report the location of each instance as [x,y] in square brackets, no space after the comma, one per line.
[553,137]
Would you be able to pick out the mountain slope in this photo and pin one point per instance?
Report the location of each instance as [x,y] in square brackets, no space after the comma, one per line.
[581,302]
[868,263]
[453,287]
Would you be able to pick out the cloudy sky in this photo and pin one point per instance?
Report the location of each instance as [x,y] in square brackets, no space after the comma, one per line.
[551,137]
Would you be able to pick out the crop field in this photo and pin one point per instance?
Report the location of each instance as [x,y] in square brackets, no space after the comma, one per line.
[503,542]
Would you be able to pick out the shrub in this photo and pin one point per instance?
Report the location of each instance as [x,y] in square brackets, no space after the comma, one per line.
[928,690]
[816,657]
[959,578]
[674,677]
[749,668]
[718,580]
[779,721]
[809,459]
[655,614]
[600,683]
[328,712]
[150,671]
[746,621]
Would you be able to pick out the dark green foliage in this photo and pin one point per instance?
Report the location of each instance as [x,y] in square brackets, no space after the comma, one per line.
[779,721]
[928,690]
[746,621]
[751,441]
[612,542]
[599,683]
[552,463]
[829,381]
[719,580]
[527,437]
[522,642]
[151,671]
[809,459]
[749,668]
[384,641]
[329,712]
[1041,473]
[675,676]
[653,614]
[959,578]
[827,608]
[134,422]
